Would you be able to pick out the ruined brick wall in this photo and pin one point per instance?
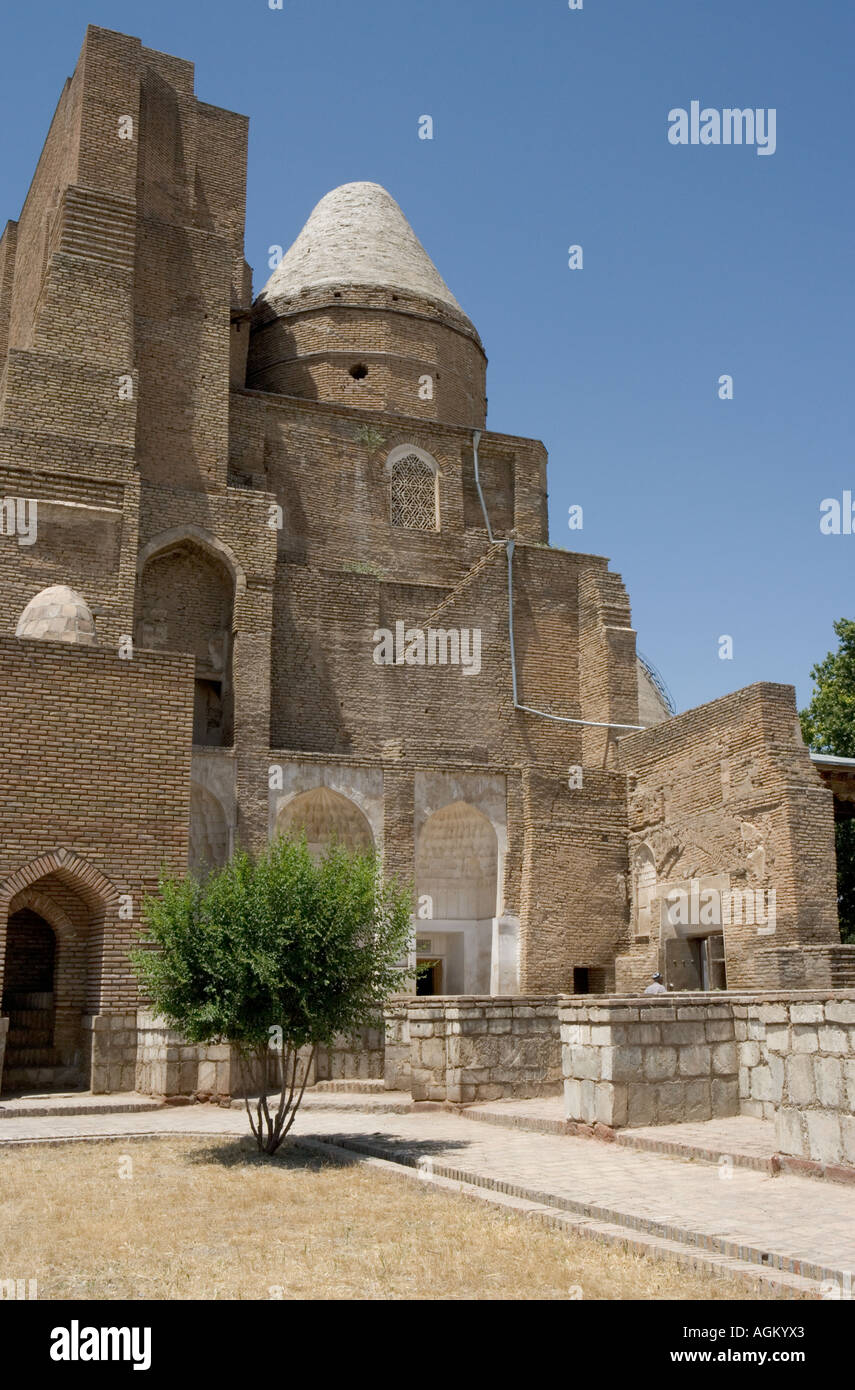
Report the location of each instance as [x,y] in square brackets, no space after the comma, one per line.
[727,794]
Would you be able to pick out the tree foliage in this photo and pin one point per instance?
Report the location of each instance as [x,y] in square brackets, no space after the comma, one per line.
[276,954]
[828,726]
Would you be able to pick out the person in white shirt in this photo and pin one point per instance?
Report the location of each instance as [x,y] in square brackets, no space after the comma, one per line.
[657,986]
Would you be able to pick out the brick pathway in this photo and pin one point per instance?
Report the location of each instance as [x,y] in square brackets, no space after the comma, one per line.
[798,1225]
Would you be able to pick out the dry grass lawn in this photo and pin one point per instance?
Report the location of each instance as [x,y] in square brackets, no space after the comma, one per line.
[207,1218]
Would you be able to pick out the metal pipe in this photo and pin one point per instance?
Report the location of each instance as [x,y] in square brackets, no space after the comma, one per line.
[509,546]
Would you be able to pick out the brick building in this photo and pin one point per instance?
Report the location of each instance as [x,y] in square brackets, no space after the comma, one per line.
[264,567]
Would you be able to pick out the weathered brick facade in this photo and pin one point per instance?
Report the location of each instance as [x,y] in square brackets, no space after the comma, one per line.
[243,498]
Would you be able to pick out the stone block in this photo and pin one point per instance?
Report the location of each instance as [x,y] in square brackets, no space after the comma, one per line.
[694,1061]
[431,1053]
[685,1035]
[834,1040]
[622,1063]
[773,1013]
[589,1101]
[847,1138]
[800,1081]
[788,1132]
[698,1105]
[573,1100]
[849,1084]
[776,1072]
[585,1063]
[671,1102]
[840,1011]
[611,1105]
[829,1082]
[660,1063]
[724,1096]
[641,1108]
[719,1031]
[805,1040]
[724,1061]
[749,1054]
[807,1013]
[778,1039]
[823,1136]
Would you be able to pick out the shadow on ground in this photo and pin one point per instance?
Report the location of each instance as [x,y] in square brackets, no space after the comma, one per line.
[350,1148]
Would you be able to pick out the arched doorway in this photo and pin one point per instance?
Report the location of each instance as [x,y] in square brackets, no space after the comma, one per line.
[28,997]
[54,915]
[325,816]
[457,861]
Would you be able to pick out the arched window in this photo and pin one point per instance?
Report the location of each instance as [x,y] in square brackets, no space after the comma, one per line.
[645,890]
[413,501]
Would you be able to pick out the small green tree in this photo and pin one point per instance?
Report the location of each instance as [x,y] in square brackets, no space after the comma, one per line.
[828,726]
[276,953]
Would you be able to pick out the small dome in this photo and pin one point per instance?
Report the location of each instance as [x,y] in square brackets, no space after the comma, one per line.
[358,235]
[58,614]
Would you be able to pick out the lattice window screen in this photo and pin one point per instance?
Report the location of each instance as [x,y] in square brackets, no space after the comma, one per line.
[413,494]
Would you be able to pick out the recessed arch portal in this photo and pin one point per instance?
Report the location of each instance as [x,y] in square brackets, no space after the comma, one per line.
[457,863]
[185,603]
[325,816]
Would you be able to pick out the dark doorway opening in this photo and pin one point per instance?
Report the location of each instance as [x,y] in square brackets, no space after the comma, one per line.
[28,998]
[429,978]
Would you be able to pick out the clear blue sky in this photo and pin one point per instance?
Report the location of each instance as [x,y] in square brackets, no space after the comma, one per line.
[551,129]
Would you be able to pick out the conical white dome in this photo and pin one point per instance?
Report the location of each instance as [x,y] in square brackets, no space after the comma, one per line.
[58,614]
[357,235]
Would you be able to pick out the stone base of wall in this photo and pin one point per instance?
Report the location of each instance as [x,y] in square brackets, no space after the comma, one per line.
[657,1060]
[397,1072]
[110,1042]
[4,1029]
[356,1058]
[465,1049]
[667,1059]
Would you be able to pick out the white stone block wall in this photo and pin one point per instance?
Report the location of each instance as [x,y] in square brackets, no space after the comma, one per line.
[479,1048]
[112,1049]
[396,1053]
[356,1057]
[658,1060]
[812,1045]
[676,1058]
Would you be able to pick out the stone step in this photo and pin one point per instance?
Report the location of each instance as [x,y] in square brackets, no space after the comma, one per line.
[13,1003]
[48,1078]
[74,1103]
[30,1018]
[717,1250]
[32,1056]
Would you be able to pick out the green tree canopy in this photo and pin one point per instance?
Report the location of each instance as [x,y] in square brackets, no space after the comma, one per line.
[828,726]
[276,951]
[828,723]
